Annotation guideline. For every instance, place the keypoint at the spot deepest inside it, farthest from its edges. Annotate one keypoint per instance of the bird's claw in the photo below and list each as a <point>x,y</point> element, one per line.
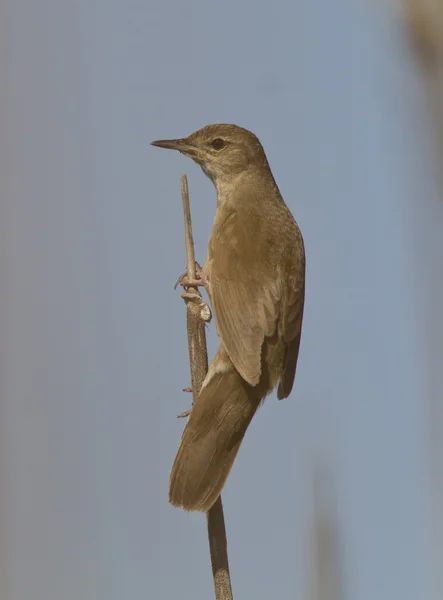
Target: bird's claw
<point>184,414</point>
<point>185,281</point>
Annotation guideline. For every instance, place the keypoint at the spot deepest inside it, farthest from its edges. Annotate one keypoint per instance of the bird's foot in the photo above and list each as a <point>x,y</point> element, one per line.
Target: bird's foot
<point>187,412</point>
<point>185,281</point>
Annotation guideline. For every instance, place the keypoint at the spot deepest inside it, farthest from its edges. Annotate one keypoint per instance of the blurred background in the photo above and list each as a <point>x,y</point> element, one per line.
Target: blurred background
<point>337,492</point>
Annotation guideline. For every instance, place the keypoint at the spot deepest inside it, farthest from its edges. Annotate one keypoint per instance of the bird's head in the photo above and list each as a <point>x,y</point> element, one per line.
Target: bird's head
<point>222,151</point>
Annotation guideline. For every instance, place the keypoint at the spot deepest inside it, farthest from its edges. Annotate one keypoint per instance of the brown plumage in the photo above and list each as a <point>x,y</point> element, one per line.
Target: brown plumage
<point>255,277</point>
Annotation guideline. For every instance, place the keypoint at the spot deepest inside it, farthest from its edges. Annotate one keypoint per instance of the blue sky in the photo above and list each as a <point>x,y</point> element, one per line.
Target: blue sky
<point>97,357</point>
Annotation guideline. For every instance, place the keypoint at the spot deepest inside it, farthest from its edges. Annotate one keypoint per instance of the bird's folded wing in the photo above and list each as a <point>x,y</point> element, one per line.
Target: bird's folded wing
<point>246,310</point>
<point>252,291</point>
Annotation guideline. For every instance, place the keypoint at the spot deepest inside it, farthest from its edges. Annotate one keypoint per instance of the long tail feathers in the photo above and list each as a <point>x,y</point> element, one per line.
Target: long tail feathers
<point>211,439</point>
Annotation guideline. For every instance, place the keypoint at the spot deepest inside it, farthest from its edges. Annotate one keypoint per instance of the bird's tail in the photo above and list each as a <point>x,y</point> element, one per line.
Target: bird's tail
<point>211,439</point>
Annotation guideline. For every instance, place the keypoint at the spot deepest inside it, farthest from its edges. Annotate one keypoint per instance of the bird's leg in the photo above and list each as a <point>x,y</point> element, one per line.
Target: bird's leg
<point>193,296</point>
<point>185,281</point>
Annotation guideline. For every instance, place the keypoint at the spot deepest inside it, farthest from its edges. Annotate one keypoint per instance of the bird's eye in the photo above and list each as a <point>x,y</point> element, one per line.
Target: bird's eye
<point>218,144</point>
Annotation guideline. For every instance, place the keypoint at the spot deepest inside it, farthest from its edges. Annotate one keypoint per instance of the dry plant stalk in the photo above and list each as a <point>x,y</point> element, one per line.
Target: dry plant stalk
<point>425,20</point>
<point>198,359</point>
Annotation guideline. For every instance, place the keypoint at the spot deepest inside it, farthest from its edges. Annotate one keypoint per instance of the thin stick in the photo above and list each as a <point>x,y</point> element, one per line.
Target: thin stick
<point>190,257</point>
<point>198,358</point>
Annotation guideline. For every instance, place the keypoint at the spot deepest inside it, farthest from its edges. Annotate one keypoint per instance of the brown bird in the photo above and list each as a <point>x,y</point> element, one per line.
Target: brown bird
<point>255,278</point>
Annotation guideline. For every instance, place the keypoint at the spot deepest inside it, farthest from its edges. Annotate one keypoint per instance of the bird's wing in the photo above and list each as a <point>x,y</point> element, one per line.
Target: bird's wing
<point>255,288</point>
<point>245,297</point>
<point>245,312</point>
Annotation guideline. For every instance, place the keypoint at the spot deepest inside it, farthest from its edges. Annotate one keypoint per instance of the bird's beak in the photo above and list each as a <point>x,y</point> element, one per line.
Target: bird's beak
<point>182,145</point>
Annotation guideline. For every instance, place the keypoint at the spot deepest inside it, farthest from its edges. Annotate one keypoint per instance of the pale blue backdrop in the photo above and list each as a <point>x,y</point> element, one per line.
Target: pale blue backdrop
<point>94,351</point>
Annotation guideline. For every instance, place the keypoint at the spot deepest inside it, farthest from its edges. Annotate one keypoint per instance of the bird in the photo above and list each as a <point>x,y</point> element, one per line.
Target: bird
<point>254,275</point>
